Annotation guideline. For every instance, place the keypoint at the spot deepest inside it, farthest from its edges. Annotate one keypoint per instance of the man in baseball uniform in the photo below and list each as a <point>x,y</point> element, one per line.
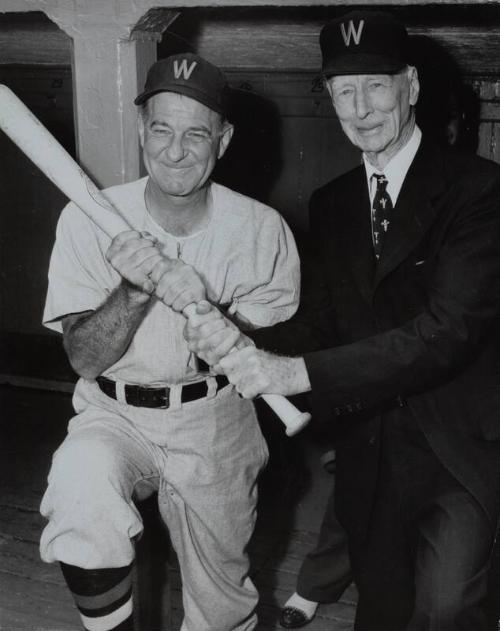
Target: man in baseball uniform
<point>146,416</point>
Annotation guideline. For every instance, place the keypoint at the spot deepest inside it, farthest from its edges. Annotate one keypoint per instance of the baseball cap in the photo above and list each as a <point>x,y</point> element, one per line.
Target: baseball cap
<point>190,75</point>
<point>364,42</point>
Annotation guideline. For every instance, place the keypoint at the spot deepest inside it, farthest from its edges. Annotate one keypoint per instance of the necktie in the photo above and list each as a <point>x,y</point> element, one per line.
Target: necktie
<point>381,213</point>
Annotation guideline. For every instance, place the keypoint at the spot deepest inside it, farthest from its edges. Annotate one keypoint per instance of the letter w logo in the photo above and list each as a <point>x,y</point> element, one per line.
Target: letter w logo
<point>351,32</point>
<point>183,69</point>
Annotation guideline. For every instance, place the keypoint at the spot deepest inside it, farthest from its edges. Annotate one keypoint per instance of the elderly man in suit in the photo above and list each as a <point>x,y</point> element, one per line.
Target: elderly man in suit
<point>406,344</point>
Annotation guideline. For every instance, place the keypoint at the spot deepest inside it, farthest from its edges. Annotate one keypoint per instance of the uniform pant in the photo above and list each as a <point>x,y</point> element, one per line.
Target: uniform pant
<point>424,566</point>
<point>204,458</point>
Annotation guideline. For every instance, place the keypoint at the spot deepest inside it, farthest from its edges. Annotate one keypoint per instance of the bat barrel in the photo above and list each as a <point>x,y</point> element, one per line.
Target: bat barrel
<point>29,134</point>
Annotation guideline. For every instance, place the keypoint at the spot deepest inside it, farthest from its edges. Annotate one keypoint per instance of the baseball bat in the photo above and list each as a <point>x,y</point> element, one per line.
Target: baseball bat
<point>28,133</point>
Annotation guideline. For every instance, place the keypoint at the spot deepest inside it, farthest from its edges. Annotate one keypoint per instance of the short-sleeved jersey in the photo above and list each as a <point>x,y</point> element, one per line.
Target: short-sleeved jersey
<point>246,256</point>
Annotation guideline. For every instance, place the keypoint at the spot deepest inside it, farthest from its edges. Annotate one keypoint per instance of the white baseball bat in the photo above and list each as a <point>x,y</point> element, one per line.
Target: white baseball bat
<point>23,128</point>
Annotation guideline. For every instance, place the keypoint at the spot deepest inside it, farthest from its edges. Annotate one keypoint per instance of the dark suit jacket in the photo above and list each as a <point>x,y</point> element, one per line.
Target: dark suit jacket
<point>417,333</point>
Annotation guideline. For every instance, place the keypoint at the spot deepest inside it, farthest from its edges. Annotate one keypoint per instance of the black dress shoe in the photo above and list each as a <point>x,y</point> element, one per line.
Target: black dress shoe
<point>293,618</point>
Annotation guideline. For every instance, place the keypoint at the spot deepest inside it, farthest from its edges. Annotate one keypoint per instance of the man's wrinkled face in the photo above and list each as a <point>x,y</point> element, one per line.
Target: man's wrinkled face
<point>182,140</point>
<point>375,111</point>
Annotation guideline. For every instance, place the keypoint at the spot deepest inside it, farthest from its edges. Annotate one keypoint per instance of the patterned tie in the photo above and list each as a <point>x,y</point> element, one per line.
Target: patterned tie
<point>381,213</point>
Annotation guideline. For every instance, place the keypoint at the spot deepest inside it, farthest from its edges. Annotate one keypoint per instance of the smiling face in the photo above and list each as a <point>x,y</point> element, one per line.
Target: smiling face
<point>376,111</point>
<point>182,140</point>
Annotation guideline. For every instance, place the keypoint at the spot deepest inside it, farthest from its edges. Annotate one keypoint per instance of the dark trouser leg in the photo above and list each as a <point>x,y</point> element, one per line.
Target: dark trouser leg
<point>493,604</point>
<point>326,571</point>
<point>452,562</point>
<point>382,568</point>
<point>424,566</point>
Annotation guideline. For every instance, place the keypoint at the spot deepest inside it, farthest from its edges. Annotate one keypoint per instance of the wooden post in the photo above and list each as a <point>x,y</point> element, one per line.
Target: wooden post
<point>111,52</point>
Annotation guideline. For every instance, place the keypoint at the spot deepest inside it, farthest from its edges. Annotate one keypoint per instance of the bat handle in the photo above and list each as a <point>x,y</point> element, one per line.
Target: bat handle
<point>293,419</point>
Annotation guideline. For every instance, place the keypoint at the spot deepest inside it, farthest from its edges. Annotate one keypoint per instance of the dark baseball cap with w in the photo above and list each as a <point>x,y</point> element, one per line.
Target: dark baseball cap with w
<point>190,75</point>
<point>364,42</point>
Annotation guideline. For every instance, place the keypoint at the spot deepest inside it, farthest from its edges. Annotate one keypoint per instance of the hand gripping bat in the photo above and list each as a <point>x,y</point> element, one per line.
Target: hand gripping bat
<point>28,133</point>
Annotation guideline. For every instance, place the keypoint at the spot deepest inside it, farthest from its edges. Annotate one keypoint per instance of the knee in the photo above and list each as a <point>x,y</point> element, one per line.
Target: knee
<point>445,607</point>
<point>86,456</point>
<point>91,518</point>
<point>452,602</point>
<point>83,467</point>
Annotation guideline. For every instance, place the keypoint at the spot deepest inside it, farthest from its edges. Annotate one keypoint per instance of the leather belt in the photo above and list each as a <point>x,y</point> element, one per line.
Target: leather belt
<point>141,396</point>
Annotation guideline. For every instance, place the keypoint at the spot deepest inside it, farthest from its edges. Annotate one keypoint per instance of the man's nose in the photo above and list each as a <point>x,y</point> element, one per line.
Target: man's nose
<point>363,104</point>
<point>175,148</point>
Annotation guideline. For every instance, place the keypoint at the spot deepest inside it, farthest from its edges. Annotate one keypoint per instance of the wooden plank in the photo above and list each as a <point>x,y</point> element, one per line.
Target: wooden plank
<point>38,43</point>
<point>19,524</point>
<point>486,140</point>
<point>490,111</point>
<point>287,39</point>
<point>272,37</point>
<point>48,605</point>
<point>142,6</point>
<point>25,497</point>
<point>22,558</point>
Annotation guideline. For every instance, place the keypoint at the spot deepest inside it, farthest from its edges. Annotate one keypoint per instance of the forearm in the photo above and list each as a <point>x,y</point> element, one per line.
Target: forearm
<point>95,341</point>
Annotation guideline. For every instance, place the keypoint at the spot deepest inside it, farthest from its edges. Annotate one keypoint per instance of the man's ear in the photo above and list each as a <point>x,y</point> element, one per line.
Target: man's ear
<point>140,128</point>
<point>414,84</point>
<point>227,134</point>
<point>328,86</point>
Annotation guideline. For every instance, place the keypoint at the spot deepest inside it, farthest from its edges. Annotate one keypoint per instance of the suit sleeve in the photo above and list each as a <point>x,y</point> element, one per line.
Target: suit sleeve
<point>463,304</point>
<point>312,326</point>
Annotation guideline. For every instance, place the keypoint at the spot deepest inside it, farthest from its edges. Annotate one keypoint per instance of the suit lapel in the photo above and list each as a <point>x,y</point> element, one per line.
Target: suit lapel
<point>414,211</point>
<point>356,233</point>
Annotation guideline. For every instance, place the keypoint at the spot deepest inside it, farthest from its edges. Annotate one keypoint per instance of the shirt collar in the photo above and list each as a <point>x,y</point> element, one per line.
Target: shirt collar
<point>396,169</point>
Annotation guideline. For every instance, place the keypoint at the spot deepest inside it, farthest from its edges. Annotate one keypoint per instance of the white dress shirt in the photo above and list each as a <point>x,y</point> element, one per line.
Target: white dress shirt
<point>396,169</point>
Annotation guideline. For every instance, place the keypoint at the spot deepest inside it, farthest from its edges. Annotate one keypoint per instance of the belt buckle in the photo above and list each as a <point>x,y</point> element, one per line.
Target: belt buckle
<point>164,395</point>
<point>158,398</point>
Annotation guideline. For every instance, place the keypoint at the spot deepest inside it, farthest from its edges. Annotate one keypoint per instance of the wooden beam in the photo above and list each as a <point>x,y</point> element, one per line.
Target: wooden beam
<point>261,38</point>
<point>142,6</point>
<point>283,41</point>
<point>37,41</point>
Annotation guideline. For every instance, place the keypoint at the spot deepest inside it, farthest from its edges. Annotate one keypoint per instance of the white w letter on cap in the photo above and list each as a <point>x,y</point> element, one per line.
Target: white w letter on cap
<point>183,69</point>
<point>351,31</point>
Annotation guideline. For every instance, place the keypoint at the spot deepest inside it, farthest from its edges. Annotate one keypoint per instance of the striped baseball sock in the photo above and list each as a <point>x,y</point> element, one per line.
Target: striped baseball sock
<point>103,597</point>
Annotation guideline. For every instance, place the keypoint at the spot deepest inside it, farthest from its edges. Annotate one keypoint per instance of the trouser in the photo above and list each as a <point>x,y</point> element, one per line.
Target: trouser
<point>424,566</point>
<point>326,571</point>
<point>204,459</point>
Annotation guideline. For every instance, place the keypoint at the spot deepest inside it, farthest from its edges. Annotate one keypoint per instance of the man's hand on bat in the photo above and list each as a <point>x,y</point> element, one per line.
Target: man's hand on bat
<point>134,255</point>
<point>211,336</point>
<point>177,284</point>
<point>254,372</point>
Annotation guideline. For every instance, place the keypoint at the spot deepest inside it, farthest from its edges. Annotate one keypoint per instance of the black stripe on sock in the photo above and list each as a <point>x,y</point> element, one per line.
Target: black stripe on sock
<point>104,611</point>
<point>93,582</point>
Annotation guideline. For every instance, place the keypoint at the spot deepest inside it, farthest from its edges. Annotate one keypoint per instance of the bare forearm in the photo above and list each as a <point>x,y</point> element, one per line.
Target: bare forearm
<point>97,340</point>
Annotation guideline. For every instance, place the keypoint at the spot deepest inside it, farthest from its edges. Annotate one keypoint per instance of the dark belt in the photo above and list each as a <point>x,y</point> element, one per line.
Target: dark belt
<point>143,397</point>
